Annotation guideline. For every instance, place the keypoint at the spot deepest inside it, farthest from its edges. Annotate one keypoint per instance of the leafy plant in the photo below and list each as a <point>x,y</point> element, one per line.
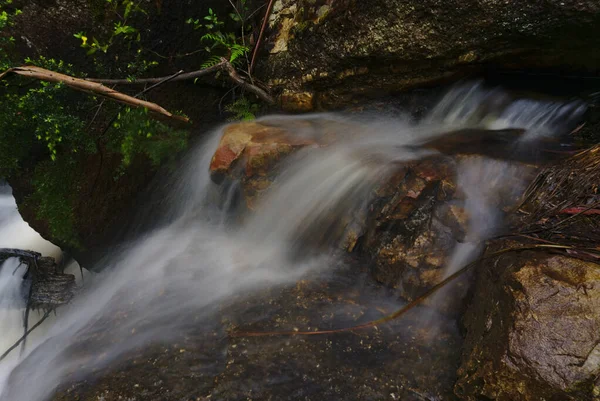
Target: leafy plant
<point>124,9</point>
<point>52,198</point>
<point>135,133</point>
<point>6,20</point>
<point>243,109</point>
<point>218,43</point>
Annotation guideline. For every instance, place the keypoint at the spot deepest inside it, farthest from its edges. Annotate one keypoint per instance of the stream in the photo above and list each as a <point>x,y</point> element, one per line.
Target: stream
<point>154,323</point>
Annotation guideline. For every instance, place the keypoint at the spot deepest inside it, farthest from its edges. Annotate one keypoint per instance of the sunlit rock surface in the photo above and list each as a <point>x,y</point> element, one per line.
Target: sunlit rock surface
<point>533,330</point>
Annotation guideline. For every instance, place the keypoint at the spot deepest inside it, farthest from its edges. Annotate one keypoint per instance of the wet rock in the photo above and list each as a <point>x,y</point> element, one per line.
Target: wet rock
<point>252,152</point>
<point>341,51</point>
<point>533,330</point>
<point>414,226</point>
<point>403,360</point>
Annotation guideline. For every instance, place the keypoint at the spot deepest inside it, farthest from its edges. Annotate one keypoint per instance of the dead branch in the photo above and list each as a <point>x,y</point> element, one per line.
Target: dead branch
<point>246,85</point>
<point>90,87</point>
<point>224,65</point>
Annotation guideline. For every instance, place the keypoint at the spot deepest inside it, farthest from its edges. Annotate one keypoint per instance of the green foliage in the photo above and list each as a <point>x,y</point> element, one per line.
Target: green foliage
<point>135,133</point>
<point>6,42</point>
<point>42,121</point>
<point>218,43</point>
<point>119,51</point>
<point>243,109</point>
<point>47,129</point>
<point>124,9</point>
<point>42,113</point>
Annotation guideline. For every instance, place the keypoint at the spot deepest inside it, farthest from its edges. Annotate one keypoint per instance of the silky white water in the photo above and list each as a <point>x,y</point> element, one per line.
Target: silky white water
<point>192,262</point>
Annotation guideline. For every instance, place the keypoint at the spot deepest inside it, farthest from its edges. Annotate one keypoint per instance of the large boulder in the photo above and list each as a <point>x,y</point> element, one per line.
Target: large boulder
<point>327,53</point>
<point>101,193</point>
<point>533,330</point>
<point>415,216</point>
<point>533,324</point>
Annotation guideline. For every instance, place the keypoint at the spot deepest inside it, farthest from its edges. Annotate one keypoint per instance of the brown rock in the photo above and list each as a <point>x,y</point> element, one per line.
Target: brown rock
<point>250,152</point>
<point>533,330</point>
<point>413,225</point>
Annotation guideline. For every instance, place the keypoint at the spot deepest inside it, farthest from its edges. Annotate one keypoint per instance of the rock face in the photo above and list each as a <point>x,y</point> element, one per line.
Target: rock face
<point>327,53</point>
<point>533,326</point>
<point>533,330</point>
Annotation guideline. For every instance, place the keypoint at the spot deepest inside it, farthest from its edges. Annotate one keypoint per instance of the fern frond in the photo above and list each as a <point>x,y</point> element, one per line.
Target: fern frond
<point>214,37</point>
<point>213,60</point>
<point>237,51</point>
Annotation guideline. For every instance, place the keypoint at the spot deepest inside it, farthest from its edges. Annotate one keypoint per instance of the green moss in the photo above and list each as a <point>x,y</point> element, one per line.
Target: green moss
<point>53,198</point>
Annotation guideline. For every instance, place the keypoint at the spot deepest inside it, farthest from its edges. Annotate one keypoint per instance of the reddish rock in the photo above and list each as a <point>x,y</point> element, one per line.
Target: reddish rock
<point>251,151</point>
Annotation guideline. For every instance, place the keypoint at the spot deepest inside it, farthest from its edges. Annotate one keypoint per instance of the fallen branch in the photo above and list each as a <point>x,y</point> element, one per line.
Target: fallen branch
<point>224,65</point>
<point>406,308</point>
<point>89,86</point>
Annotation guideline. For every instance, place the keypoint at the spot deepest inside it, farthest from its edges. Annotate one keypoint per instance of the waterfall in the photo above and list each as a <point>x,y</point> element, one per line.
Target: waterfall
<point>183,270</point>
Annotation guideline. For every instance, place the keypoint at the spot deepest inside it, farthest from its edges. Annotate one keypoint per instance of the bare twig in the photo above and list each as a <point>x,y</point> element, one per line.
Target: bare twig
<point>144,81</point>
<point>167,79</point>
<point>246,85</point>
<point>260,35</point>
<point>243,20</point>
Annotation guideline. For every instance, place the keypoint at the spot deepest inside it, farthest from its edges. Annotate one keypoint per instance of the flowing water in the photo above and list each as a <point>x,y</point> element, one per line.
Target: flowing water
<point>177,278</point>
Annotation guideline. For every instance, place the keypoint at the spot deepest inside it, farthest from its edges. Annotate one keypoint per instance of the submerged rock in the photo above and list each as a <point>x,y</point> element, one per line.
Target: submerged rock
<point>403,360</point>
<point>533,330</point>
<point>415,215</point>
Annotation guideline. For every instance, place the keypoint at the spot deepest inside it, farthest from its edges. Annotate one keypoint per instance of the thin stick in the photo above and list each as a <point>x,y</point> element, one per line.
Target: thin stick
<point>144,81</point>
<point>243,20</point>
<point>402,311</point>
<point>26,317</point>
<point>167,79</point>
<point>260,35</point>
<point>224,65</point>
<point>35,326</point>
